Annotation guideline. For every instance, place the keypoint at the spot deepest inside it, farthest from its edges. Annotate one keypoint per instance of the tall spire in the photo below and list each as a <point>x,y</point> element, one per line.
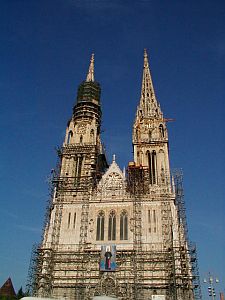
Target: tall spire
<point>149,106</point>
<point>90,75</point>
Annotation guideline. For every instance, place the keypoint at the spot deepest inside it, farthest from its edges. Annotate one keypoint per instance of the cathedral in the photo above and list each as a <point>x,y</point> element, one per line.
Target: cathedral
<point>113,232</point>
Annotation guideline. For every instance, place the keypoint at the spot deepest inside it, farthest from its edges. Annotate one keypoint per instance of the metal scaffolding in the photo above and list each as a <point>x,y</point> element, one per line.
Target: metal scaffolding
<point>188,257</point>
<point>31,276</point>
<point>168,268</point>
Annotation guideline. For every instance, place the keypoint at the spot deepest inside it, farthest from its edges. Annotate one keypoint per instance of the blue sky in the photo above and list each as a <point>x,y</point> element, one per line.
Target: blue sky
<point>45,51</point>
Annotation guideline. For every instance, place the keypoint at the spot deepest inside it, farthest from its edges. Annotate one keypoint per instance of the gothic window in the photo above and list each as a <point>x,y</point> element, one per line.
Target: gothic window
<point>137,135</point>
<point>70,134</point>
<point>138,158</point>
<point>92,136</point>
<point>75,166</point>
<point>108,286</point>
<point>152,165</point>
<point>123,226</point>
<point>154,220</point>
<point>100,226</point>
<point>79,165</point>
<point>81,139</point>
<point>161,130</point>
<point>149,220</point>
<point>112,226</point>
<point>149,166</point>
<point>141,157</point>
<point>69,217</point>
<point>74,220</point>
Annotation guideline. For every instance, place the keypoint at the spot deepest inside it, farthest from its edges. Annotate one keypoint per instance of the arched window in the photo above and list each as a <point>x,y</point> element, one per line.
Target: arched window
<point>149,166</point>
<point>123,226</point>
<point>77,168</point>
<point>149,220</point>
<point>161,130</point>
<point>138,158</point>
<point>70,134</point>
<point>69,217</point>
<point>74,220</point>
<point>112,226</point>
<point>100,226</point>
<point>152,220</point>
<point>81,139</point>
<point>75,165</point>
<point>152,166</point>
<point>92,136</point>
<point>137,135</point>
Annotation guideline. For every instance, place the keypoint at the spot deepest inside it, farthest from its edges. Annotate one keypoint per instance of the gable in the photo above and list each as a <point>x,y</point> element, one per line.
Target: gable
<point>113,182</point>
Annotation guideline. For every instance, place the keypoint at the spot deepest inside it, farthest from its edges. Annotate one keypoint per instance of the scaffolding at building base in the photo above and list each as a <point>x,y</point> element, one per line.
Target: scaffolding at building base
<point>31,276</point>
<point>72,271</point>
<point>191,247</point>
<point>121,283</point>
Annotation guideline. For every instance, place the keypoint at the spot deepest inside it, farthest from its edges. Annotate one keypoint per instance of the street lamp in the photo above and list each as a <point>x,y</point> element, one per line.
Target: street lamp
<point>211,281</point>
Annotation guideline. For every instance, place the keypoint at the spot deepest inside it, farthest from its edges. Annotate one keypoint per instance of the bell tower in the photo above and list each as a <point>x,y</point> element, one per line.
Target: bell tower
<point>150,138</point>
<point>82,138</point>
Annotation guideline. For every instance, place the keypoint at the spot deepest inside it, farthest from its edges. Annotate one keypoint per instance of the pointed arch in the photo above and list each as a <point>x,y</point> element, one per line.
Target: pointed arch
<point>74,219</point>
<point>100,226</point>
<point>152,166</point>
<point>137,134</point>
<point>92,135</point>
<point>138,158</point>
<point>69,137</point>
<point>161,131</point>
<point>112,226</point>
<point>75,165</point>
<point>124,225</point>
<point>79,166</point>
<point>148,154</point>
<point>141,158</point>
<point>69,218</point>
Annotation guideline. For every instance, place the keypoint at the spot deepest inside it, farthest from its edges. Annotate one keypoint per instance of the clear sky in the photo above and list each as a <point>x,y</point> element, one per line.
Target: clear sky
<point>45,50</point>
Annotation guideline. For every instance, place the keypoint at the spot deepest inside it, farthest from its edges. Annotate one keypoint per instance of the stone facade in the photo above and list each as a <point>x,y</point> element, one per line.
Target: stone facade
<point>95,206</point>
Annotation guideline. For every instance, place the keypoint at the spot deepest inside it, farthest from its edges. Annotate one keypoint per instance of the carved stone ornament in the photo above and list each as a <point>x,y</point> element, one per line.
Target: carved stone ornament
<point>81,129</point>
<point>113,181</point>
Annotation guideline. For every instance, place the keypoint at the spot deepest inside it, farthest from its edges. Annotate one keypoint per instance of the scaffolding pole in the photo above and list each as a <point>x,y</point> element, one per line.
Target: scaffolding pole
<point>188,258</point>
